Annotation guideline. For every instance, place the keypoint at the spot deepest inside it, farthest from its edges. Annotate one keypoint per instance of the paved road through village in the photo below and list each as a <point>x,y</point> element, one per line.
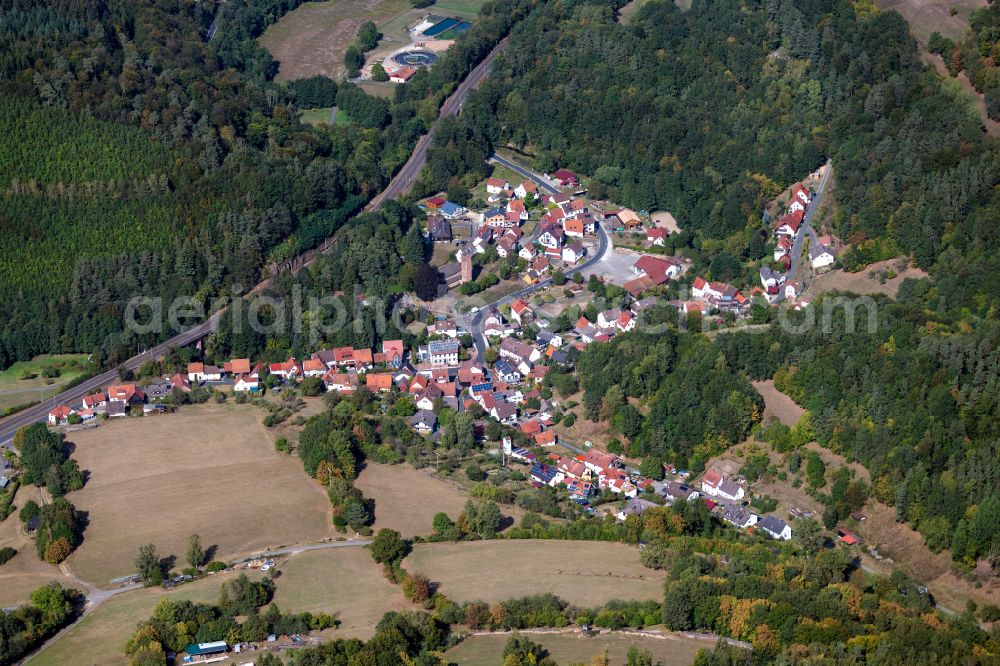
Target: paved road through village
<point>603,243</point>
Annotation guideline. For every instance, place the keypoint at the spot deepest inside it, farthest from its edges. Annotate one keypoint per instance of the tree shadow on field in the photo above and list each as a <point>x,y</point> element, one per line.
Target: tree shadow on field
<point>210,553</point>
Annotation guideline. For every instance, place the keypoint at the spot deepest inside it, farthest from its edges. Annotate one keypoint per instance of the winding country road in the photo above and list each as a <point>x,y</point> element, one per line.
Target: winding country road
<point>400,184</point>
<point>405,177</point>
<point>476,324</point>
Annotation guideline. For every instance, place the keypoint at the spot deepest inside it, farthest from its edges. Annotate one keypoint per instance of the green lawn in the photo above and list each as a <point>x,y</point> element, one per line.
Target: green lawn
<point>446,7</point>
<point>25,381</point>
<point>316,116</point>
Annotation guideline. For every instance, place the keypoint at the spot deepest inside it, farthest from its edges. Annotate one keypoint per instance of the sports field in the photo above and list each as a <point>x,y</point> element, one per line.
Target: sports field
<point>574,648</point>
<point>585,573</point>
<point>25,573</point>
<point>210,469</point>
<point>345,582</point>
<point>25,381</point>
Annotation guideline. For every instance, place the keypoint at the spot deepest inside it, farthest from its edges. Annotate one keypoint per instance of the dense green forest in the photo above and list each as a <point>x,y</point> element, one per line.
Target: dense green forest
<point>692,405</point>
<point>710,112</point>
<point>151,161</point>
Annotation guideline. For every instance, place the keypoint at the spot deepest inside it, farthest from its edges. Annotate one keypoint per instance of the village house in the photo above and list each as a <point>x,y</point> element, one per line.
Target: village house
<point>566,178</point>
<point>546,475</point>
<point>60,415</point>
<point>520,311</point>
<point>788,225</point>
<point>771,281</point>
<point>799,199</point>
<point>125,394</point>
<point>598,461</point>
<point>95,400</point>
<point>496,185</point>
<point>246,384</point>
<point>517,207</point>
<point>504,412</point>
<point>519,352</point>
<point>740,517</point>
<point>674,491</point>
<point>179,382</point>
<point>775,528</point>
<point>444,327</point>
<point>441,352</point>
<point>792,289</point>
<point>505,373</point>
<point>402,75</point>
<point>199,372</point>
<point>573,252</point>
<point>288,370</point>
<point>237,366</point>
<point>715,484</point>
<point>656,236</point>
<point>527,186</point>
<point>608,318</point>
<point>451,210</point>
<point>313,367</point>
<point>495,217</point>
<point>720,295</point>
<point>820,257</point>
<point>782,248</point>
<point>659,269</point>
<point>439,229</point>
<point>547,338</point>
<point>528,253</point>
<point>551,236</point>
<point>424,421</point>
<point>393,351</point>
<point>547,438</point>
<point>573,227</point>
<point>635,507</point>
<point>378,382</point>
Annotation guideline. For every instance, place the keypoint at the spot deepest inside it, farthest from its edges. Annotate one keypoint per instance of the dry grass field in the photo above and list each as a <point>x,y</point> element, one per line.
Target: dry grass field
<point>586,573</point>
<point>867,282</point>
<point>406,499</point>
<point>99,638</point>
<point>25,573</point>
<point>669,649</point>
<point>777,404</point>
<point>312,39</point>
<point>927,16</point>
<point>210,469</point>
<point>345,582</point>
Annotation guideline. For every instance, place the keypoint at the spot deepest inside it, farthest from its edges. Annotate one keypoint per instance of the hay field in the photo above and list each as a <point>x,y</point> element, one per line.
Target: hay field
<point>670,649</point>
<point>345,582</point>
<point>210,469</point>
<point>406,499</point>
<point>585,573</point>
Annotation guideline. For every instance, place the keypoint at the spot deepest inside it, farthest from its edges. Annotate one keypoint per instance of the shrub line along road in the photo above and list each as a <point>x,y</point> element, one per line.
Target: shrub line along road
<point>400,183</point>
